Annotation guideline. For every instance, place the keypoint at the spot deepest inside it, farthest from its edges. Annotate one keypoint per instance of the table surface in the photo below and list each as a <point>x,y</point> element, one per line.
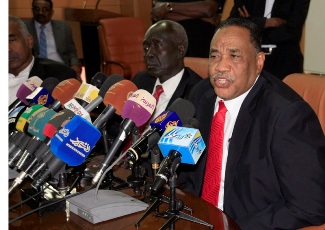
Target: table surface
<point>202,210</point>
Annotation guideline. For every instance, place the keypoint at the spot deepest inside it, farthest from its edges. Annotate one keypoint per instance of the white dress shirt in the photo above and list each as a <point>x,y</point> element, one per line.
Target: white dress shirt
<point>233,107</point>
<point>268,8</point>
<point>16,81</point>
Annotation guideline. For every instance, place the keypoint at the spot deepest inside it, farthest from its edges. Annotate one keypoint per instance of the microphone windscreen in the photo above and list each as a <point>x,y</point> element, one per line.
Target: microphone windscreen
<point>57,121</point>
<point>108,83</point>
<point>139,107</point>
<point>98,79</point>
<point>184,109</point>
<point>27,88</point>
<point>37,123</point>
<point>192,123</point>
<point>50,83</point>
<point>118,93</point>
<point>65,90</point>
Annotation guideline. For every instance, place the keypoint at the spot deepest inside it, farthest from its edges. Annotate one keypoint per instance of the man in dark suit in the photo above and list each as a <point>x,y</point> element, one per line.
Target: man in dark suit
<point>273,158</point>
<point>60,43</point>
<point>23,65</point>
<point>165,44</point>
<point>281,24</point>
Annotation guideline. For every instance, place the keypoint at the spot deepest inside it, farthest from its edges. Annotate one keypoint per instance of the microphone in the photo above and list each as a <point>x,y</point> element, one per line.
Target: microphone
<point>114,100</point>
<point>64,92</point>
<point>35,128</point>
<point>70,145</point>
<point>43,154</point>
<point>178,112</point>
<point>19,143</point>
<point>137,110</point>
<point>98,79</point>
<point>177,145</point>
<point>24,90</point>
<point>42,98</point>
<point>109,82</point>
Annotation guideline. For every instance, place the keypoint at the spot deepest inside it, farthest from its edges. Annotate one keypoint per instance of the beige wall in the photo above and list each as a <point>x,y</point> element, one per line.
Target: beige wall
<point>133,8</point>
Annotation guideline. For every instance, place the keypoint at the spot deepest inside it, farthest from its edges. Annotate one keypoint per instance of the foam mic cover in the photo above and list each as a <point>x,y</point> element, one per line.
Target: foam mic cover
<point>118,93</point>
<point>114,100</point>
<point>38,122</point>
<point>66,90</point>
<point>74,142</point>
<point>109,82</point>
<point>28,87</point>
<point>98,79</point>
<point>50,83</point>
<point>59,120</point>
<point>139,107</point>
<point>184,108</point>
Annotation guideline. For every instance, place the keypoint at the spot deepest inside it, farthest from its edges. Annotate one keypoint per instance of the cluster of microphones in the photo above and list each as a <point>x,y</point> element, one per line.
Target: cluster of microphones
<point>50,128</point>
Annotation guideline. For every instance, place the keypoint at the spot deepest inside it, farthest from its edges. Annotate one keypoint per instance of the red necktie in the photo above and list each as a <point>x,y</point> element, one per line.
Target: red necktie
<point>212,176</point>
<point>159,90</point>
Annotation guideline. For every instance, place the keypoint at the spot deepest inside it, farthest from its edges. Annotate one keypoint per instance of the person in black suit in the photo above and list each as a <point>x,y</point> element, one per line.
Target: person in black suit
<point>165,44</point>
<point>23,65</point>
<point>281,24</point>
<point>273,159</point>
<point>61,46</point>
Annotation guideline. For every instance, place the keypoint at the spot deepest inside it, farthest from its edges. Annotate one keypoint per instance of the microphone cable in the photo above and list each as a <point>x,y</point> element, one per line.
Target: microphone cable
<point>24,201</point>
<point>49,204</point>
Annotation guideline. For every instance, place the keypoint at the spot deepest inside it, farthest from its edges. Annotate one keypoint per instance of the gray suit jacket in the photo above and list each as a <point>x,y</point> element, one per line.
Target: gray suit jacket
<point>63,40</point>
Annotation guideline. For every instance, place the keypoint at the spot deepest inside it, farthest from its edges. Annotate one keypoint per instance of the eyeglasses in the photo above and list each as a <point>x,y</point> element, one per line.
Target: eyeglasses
<point>44,9</point>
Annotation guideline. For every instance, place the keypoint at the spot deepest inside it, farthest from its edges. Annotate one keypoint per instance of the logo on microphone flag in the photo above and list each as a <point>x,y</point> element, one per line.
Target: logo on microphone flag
<point>187,141</point>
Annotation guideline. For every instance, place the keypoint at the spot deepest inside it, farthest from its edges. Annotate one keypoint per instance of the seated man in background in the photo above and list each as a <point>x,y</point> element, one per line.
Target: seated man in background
<point>59,45</point>
<point>165,44</point>
<point>22,63</point>
<point>268,169</point>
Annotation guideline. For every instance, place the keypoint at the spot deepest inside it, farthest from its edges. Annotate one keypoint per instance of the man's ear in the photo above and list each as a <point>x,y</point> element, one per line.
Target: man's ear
<point>260,58</point>
<point>181,51</point>
<point>30,41</point>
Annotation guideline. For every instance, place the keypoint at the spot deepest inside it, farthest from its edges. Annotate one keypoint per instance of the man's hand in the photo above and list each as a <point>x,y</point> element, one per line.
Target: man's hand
<point>274,22</point>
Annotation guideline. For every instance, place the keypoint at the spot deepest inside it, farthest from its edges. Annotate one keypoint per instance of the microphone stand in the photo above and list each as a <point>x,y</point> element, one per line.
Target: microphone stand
<point>173,213</point>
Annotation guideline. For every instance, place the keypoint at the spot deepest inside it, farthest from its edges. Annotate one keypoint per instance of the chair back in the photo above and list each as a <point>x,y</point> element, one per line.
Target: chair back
<point>312,88</point>
<point>198,65</point>
<point>121,49</point>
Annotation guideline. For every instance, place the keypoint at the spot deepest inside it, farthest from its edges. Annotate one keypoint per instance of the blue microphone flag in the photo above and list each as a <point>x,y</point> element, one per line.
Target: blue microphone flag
<point>187,141</point>
<point>74,142</point>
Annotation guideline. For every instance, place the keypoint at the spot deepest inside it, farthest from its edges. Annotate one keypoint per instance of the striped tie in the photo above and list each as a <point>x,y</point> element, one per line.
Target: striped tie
<point>42,43</point>
<point>212,176</point>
